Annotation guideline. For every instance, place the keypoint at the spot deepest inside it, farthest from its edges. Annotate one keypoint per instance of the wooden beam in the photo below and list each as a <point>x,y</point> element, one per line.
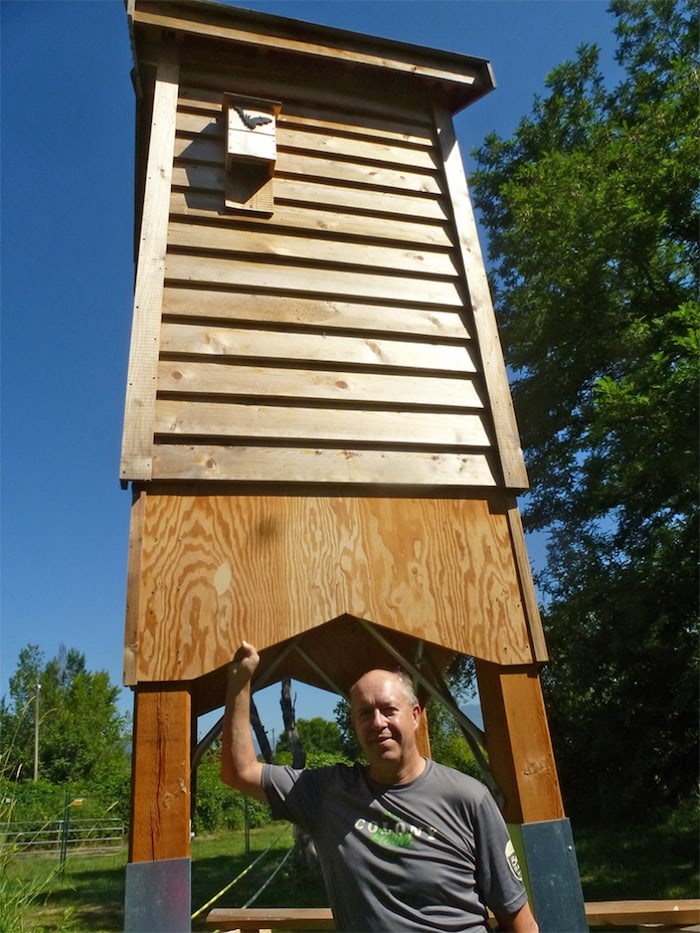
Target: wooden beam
<point>527,584</point>
<point>253,919</point>
<point>671,913</point>
<point>423,736</point>
<point>507,438</point>
<point>160,821</point>
<point>133,589</point>
<point>518,742</point>
<point>139,410</point>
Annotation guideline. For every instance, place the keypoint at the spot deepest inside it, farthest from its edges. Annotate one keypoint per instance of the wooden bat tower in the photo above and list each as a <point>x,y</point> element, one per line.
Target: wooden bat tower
<point>318,430</point>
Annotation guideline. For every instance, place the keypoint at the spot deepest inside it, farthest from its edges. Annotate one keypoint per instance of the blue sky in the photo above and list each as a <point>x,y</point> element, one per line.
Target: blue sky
<point>67,277</point>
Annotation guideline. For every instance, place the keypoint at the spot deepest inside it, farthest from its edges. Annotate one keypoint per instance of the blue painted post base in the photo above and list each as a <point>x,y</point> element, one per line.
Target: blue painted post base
<point>551,874</point>
<point>158,896</point>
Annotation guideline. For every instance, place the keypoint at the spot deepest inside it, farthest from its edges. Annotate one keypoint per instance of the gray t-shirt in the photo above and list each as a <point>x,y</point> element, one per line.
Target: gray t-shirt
<point>428,855</point>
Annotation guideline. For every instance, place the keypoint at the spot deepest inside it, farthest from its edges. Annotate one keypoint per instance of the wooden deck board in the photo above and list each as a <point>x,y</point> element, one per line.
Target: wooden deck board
<point>672,913</point>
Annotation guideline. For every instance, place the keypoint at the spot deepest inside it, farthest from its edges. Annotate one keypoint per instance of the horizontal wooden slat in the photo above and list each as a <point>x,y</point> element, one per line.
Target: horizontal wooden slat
<point>252,920</point>
<point>201,134</point>
<point>319,193</point>
<point>359,149</point>
<point>375,202</point>
<point>196,339</point>
<point>343,124</point>
<point>304,84</point>
<point>347,315</point>
<point>262,241</point>
<point>339,387</point>
<point>306,465</point>
<point>205,205</point>
<point>208,270</point>
<point>207,102</point>
<point>314,219</point>
<point>318,167</point>
<point>219,419</point>
<point>668,914</point>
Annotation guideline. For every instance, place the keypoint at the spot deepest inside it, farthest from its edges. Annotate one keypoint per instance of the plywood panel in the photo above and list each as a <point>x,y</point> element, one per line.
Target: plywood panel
<point>217,569</point>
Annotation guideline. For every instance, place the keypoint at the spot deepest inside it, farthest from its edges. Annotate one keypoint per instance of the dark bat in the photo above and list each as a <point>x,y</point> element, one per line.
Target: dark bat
<point>252,122</point>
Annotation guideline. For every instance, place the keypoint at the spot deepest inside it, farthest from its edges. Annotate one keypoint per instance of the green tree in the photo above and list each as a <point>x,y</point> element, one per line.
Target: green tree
<point>349,743</point>
<point>82,735</point>
<point>447,742</point>
<point>220,807</point>
<point>591,214</point>
<point>317,735</point>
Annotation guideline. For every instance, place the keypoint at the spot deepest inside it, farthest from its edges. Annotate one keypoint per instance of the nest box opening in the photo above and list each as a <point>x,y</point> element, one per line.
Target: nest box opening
<point>251,153</point>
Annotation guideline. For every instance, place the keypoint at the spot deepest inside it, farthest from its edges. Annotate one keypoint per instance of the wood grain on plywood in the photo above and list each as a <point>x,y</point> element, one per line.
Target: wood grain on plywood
<point>217,569</point>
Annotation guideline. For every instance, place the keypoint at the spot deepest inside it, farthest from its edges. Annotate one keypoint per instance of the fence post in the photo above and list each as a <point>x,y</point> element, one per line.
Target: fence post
<point>64,835</point>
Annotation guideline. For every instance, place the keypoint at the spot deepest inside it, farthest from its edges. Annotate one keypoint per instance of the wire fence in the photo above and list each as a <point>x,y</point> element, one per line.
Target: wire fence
<point>59,837</point>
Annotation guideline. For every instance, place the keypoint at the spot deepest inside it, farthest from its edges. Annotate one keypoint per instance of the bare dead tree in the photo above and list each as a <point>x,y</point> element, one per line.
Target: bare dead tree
<point>305,856</point>
<point>260,733</point>
<point>289,718</point>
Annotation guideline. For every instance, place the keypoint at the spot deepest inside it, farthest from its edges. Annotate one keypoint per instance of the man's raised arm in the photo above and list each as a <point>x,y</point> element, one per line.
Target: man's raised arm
<point>239,764</point>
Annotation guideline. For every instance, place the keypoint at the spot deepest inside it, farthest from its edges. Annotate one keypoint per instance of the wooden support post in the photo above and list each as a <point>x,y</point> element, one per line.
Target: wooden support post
<point>522,762</point>
<point>160,823</point>
<point>518,742</point>
<point>423,736</point>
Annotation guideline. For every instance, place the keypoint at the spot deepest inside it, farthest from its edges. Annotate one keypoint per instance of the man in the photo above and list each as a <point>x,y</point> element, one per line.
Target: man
<point>405,844</point>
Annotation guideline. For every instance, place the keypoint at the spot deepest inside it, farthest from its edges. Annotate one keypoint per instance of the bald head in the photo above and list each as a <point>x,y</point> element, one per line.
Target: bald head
<point>386,714</point>
<point>399,676</point>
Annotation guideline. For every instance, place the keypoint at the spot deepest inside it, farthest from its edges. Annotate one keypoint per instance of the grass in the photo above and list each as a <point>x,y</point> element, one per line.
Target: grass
<point>90,896</point>
<point>628,863</point>
<point>636,862</point>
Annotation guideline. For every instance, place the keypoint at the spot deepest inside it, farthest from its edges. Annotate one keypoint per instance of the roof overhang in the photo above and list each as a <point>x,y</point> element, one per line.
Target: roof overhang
<point>458,79</point>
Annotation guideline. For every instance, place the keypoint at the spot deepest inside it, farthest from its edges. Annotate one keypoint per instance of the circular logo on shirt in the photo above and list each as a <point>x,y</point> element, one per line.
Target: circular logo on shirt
<point>512,860</point>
